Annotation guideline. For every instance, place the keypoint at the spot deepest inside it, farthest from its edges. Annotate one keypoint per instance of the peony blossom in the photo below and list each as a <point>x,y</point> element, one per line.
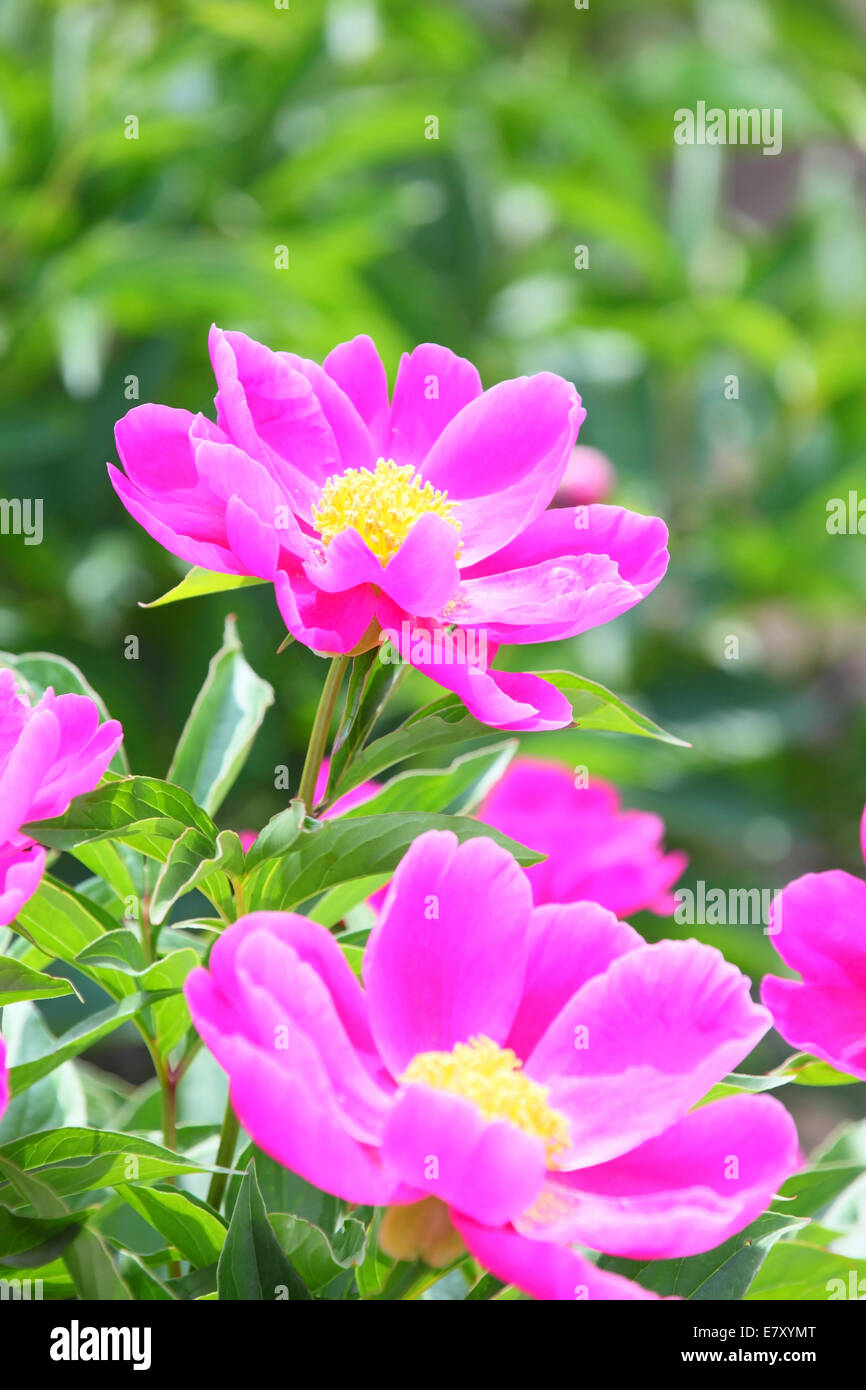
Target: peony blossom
<point>596,851</point>
<point>532,1069</point>
<point>424,517</point>
<point>589,477</point>
<point>49,753</point>
<point>818,926</point>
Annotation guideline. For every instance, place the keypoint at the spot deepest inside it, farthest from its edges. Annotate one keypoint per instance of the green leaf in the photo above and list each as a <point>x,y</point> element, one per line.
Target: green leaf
<point>252,1265</point>
<point>191,863</point>
<point>115,950</point>
<point>596,707</point>
<point>809,1192</point>
<point>61,922</point>
<point>796,1269</point>
<point>30,1241</point>
<point>77,1039</point>
<point>356,847</point>
<point>114,863</point>
<point>445,721</point>
<point>278,836</point>
<point>36,671</point>
<point>334,906</point>
<point>86,1257</point>
<point>75,1159</point>
<point>142,812</point>
<point>284,1191</point>
<point>190,1226</point>
<point>721,1274</point>
<point>222,725</point>
<point>370,684</point>
<point>457,789</point>
<point>805,1070</point>
<point>58,1099</point>
<point>196,583</point>
<point>739,1083</point>
<point>19,981</point>
<point>317,1257</point>
<point>141,1281</point>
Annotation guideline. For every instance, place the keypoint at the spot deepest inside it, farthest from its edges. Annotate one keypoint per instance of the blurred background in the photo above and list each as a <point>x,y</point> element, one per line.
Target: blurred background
<point>433,172</point>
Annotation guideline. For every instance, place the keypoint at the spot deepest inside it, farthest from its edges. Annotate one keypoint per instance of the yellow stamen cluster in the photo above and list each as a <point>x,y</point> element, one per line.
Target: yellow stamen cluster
<point>381,503</point>
<point>491,1078</point>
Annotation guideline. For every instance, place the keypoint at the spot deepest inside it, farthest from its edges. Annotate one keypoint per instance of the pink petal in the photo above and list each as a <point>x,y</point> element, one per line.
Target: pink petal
<point>168,523</point>
<point>21,869</point>
<point>154,448</point>
<point>423,575</point>
<point>681,1193</point>
<point>557,598</point>
<point>636,1047</point>
<point>271,411</point>
<point>254,545</point>
<point>352,438</point>
<point>326,622</point>
<point>502,699</point>
<point>313,945</point>
<point>819,928</point>
<point>567,946</point>
<point>442,1145</point>
<point>28,764</point>
<point>595,852</point>
<point>433,385</point>
<point>357,369</point>
<point>502,458</point>
<point>546,1271</point>
<point>287,997</point>
<point>828,1021</point>
<point>445,960</point>
<point>285,1102</point>
<point>634,546</point>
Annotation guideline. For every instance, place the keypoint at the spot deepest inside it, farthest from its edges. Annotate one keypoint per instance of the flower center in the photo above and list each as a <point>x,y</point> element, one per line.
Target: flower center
<point>491,1078</point>
<point>381,503</point>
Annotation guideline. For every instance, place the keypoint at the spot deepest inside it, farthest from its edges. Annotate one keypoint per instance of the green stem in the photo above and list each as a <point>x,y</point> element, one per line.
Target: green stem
<point>321,726</point>
<point>225,1154</point>
<point>169,1108</point>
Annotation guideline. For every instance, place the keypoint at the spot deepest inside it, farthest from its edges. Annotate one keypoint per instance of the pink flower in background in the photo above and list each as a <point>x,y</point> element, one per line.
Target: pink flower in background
<point>49,753</point>
<point>596,851</point>
<point>4,1078</point>
<point>423,516</point>
<point>589,477</point>
<point>818,926</point>
<point>535,1069</point>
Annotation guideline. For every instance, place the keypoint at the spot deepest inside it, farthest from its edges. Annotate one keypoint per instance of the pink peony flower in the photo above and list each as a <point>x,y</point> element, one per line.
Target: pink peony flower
<point>589,477</point>
<point>4,1078</point>
<point>817,926</point>
<point>596,851</point>
<point>412,1087</point>
<point>48,754</point>
<point>423,517</point>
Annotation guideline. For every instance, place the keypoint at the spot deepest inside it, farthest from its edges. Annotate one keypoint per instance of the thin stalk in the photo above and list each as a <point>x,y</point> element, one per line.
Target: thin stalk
<point>321,727</point>
<point>225,1154</point>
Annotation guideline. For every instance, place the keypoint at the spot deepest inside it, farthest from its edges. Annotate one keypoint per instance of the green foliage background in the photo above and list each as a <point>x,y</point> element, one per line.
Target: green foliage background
<point>305,127</point>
